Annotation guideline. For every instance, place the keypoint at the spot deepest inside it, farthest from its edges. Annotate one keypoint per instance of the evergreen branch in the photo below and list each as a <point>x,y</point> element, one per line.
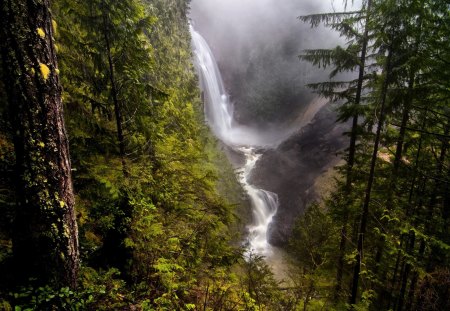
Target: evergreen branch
<point>432,111</point>
<point>318,57</point>
<point>422,131</point>
<point>343,59</point>
<point>327,18</point>
<point>345,29</point>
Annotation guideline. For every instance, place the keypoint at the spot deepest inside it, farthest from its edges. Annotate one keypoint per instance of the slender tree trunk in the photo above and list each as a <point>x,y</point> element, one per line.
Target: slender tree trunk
<point>431,207</point>
<point>351,156</point>
<point>401,137</point>
<point>114,94</point>
<point>394,274</point>
<point>45,238</point>
<point>405,238</point>
<point>432,203</point>
<point>411,292</point>
<point>368,192</point>
<point>354,131</point>
<point>409,211</point>
<point>406,272</point>
<point>394,177</point>
<point>342,247</point>
<point>421,191</point>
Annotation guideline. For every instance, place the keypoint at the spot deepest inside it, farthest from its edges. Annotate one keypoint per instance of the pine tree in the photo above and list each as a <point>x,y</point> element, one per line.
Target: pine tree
<point>353,58</point>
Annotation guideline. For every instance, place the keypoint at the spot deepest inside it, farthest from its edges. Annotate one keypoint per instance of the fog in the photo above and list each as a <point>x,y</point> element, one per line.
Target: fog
<point>256,44</point>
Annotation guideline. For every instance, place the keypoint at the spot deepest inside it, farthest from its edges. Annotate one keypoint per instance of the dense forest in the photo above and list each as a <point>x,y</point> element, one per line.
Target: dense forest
<point>114,194</point>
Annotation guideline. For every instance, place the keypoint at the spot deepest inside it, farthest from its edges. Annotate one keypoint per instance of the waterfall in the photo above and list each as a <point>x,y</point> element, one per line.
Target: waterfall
<point>218,110</point>
<point>264,206</point>
<point>242,139</point>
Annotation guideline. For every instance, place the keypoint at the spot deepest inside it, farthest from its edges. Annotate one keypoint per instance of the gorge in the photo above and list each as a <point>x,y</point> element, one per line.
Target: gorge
<point>281,160</point>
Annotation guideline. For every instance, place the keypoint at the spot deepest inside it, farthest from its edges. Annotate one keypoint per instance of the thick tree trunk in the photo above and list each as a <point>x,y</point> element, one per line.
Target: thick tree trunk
<point>45,239</point>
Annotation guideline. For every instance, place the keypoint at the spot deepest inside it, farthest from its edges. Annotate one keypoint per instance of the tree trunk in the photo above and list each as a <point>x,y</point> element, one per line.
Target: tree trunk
<point>406,271</point>
<point>351,157</point>
<point>431,208</point>
<point>368,192</point>
<point>353,135</point>
<point>45,238</point>
<point>404,237</point>
<point>393,182</point>
<point>114,93</point>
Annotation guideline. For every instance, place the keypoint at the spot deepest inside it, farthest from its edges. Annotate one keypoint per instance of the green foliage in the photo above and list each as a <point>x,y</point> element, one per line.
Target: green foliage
<point>98,291</point>
<point>260,282</point>
<point>312,239</point>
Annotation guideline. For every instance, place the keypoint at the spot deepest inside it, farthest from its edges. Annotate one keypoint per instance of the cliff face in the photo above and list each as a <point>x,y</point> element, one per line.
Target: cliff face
<point>292,169</point>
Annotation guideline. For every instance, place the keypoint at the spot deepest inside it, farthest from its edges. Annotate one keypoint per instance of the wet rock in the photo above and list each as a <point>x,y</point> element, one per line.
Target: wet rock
<point>292,169</point>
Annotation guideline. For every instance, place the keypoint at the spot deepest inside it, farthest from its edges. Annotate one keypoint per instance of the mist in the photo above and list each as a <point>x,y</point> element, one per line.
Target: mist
<point>256,44</point>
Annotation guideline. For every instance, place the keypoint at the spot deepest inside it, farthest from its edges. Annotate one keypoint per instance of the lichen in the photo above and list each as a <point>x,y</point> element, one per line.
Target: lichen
<point>55,26</point>
<point>45,71</point>
<point>41,33</point>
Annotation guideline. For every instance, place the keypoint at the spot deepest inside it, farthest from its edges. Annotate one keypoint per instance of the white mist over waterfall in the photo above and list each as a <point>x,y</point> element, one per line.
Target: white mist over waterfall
<point>245,140</point>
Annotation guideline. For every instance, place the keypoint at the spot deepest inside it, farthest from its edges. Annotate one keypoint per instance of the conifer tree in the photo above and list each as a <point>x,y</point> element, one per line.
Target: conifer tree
<point>353,58</point>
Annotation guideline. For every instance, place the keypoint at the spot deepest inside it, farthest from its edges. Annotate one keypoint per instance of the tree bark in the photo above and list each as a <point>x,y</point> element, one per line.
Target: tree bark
<point>45,238</point>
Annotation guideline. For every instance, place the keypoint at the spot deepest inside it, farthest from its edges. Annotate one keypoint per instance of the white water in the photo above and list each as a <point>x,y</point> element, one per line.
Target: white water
<point>245,140</point>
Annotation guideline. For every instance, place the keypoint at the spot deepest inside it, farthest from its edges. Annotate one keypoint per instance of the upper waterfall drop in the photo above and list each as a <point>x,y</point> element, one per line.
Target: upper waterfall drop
<point>219,116</point>
<point>218,109</point>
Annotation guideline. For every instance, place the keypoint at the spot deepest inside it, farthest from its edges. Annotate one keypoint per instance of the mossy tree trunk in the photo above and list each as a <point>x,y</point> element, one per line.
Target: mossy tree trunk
<point>45,239</point>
